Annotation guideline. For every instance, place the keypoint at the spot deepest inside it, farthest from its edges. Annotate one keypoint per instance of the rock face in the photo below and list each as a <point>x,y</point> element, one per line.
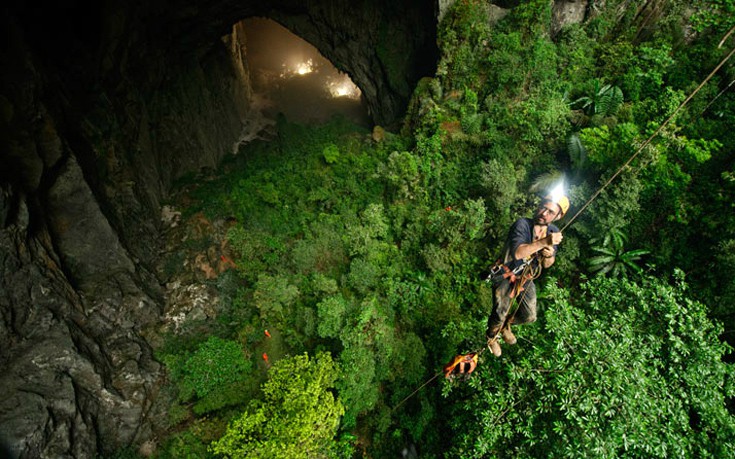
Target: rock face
<point>103,105</point>
<point>567,12</point>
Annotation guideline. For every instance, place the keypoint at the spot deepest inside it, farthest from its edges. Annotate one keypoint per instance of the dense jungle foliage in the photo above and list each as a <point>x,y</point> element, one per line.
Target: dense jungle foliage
<point>364,258</point>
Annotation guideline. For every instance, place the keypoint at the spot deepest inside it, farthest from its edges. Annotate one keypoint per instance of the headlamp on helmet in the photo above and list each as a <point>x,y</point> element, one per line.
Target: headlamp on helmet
<point>557,197</point>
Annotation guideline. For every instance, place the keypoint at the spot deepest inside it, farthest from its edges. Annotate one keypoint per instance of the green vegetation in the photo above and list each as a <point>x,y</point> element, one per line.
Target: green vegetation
<point>364,258</point>
<point>213,375</point>
<point>298,417</point>
<point>612,257</point>
<point>635,380</point>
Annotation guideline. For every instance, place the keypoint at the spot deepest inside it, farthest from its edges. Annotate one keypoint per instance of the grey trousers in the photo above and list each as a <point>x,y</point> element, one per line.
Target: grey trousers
<point>525,302</point>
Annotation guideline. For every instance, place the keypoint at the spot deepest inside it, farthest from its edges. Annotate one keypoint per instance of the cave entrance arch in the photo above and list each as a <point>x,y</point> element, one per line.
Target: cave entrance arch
<point>288,75</point>
<point>384,46</point>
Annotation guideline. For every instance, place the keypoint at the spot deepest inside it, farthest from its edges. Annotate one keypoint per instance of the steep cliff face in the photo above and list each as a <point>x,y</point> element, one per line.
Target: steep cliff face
<point>103,105</point>
<point>82,176</point>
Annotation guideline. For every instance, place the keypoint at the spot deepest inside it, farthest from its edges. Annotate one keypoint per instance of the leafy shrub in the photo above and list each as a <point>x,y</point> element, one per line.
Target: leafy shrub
<point>322,250</point>
<point>185,445</point>
<point>717,14</point>
<point>217,364</point>
<point>331,153</point>
<point>331,313</point>
<point>298,417</point>
<point>273,295</point>
<point>401,172</point>
<point>358,389</point>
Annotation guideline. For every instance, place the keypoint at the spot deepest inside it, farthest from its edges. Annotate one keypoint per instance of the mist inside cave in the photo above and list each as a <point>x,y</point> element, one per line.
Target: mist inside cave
<point>289,76</point>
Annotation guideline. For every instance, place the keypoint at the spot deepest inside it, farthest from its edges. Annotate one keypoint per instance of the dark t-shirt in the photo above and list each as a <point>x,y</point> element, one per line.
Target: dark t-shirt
<point>522,233</point>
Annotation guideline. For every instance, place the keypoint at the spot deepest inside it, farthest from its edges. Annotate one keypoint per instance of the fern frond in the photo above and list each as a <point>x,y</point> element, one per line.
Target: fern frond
<point>609,100</point>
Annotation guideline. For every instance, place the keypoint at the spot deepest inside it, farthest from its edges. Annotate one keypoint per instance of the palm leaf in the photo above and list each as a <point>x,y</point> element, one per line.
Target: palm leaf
<point>617,239</point>
<point>584,100</point>
<point>605,251</point>
<point>601,263</point>
<point>637,253</point>
<point>633,266</point>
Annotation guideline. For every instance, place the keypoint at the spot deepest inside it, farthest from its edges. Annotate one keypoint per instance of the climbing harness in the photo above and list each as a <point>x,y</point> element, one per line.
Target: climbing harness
<point>527,273</point>
<point>518,277</point>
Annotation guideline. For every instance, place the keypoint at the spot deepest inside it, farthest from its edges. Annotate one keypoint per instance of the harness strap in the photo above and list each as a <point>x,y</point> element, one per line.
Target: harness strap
<point>517,282</point>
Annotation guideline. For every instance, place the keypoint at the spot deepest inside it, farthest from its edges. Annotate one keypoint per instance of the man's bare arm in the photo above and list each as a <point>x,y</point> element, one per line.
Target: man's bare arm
<point>526,250</point>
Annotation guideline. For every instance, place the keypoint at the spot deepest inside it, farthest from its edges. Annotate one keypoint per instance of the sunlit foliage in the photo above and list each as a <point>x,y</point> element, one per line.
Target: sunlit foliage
<point>297,418</point>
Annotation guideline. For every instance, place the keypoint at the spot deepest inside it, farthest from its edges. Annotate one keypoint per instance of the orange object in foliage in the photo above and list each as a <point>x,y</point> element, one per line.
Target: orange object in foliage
<point>267,334</point>
<point>462,365</point>
<point>265,357</point>
<point>227,261</point>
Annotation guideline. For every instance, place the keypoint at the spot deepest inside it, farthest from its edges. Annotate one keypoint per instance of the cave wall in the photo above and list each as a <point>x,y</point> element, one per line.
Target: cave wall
<point>103,105</point>
<point>87,157</point>
<point>85,165</point>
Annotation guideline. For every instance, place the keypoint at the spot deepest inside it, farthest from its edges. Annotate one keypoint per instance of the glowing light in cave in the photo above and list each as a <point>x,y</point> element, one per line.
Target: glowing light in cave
<point>297,67</point>
<point>342,86</point>
<point>290,77</point>
<point>305,67</point>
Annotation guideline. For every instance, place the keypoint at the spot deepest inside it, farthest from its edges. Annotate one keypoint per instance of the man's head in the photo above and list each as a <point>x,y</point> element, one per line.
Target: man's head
<point>551,210</point>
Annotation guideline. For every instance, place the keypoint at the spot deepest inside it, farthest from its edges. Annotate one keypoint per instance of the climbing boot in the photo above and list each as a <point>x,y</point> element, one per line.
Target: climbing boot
<point>508,335</point>
<point>494,346</point>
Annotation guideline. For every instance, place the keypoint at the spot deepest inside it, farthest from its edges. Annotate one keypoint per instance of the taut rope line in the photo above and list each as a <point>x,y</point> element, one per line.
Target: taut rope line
<point>656,133</point>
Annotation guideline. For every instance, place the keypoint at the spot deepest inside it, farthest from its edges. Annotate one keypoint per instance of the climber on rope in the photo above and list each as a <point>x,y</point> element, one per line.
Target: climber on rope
<point>531,245</point>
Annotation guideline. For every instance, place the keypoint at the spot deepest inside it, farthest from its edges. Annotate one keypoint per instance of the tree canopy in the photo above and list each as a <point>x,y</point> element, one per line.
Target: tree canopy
<point>297,418</point>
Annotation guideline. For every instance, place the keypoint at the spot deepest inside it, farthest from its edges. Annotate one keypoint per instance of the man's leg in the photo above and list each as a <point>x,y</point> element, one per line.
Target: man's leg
<point>501,305</point>
<point>526,313</point>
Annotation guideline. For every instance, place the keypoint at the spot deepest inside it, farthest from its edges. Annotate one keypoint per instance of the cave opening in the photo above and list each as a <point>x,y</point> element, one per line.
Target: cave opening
<point>290,77</point>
